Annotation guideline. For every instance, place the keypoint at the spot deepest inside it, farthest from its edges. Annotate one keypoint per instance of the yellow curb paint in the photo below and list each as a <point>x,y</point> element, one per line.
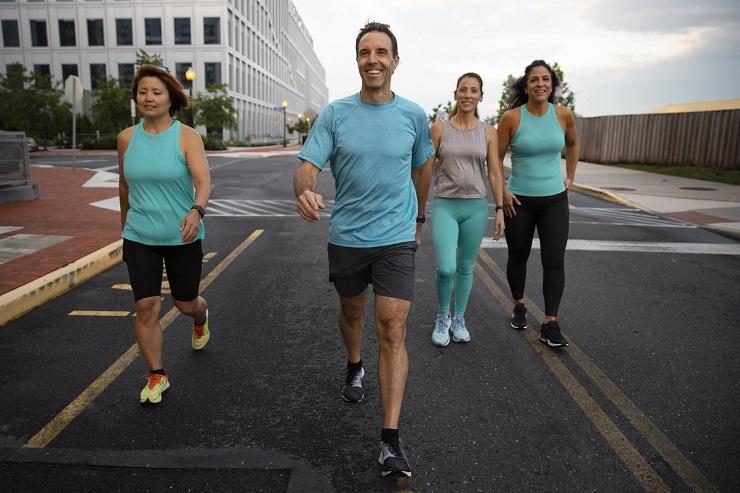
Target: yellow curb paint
<point>689,473</point>
<point>80,403</point>
<point>99,313</point>
<point>21,300</point>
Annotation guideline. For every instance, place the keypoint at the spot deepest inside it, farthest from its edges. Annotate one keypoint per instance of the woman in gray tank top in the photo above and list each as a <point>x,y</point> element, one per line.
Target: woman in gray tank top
<point>466,158</point>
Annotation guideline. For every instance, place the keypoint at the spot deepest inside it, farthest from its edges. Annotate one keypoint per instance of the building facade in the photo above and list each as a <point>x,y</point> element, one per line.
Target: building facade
<point>260,49</point>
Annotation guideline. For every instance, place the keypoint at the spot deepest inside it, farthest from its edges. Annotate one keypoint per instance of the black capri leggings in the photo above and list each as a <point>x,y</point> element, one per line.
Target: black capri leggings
<point>550,216</point>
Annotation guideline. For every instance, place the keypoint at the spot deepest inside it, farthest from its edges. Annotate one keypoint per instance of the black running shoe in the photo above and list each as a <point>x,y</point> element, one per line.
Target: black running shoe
<point>393,460</point>
<point>550,335</point>
<point>352,390</point>
<point>519,317</point>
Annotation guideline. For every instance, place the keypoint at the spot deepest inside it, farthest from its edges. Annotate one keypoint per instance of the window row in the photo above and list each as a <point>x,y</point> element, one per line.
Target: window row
<point>126,72</point>
<point>124,32</point>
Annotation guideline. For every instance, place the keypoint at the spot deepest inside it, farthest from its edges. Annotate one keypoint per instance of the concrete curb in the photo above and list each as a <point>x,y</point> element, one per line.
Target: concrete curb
<point>21,300</point>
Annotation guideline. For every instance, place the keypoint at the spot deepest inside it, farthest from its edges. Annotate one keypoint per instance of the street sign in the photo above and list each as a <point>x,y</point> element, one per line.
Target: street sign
<point>73,89</point>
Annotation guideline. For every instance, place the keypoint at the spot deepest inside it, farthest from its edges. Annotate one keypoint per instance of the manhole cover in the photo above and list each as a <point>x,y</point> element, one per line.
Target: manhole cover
<point>620,189</point>
<point>699,189</point>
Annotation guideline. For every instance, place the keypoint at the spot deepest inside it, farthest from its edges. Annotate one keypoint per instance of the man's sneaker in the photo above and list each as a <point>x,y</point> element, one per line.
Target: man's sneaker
<point>459,331</point>
<point>155,385</point>
<point>550,335</point>
<point>352,390</point>
<point>393,460</point>
<point>519,317</point>
<point>441,334</point>
<point>201,335</point>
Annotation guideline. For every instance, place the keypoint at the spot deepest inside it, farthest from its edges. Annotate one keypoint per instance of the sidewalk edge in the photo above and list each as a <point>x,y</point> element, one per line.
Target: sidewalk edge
<point>25,298</point>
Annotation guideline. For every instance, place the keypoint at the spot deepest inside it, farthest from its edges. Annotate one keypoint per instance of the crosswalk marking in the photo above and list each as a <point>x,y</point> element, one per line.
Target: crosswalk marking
<point>634,246</point>
<point>257,208</point>
<point>620,216</point>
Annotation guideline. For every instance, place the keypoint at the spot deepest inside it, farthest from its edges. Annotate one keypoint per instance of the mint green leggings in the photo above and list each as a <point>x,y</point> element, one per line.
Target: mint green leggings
<point>458,226</point>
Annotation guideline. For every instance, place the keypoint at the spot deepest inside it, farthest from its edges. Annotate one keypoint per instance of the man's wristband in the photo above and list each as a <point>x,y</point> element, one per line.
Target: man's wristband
<point>421,219</point>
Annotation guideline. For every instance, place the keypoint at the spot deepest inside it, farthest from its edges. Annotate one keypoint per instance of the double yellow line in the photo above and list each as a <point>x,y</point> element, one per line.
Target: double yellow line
<point>645,474</point>
<point>82,401</point>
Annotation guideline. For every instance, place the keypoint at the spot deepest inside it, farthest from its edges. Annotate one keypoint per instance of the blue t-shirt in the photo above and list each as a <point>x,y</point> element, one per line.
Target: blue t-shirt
<point>372,148</point>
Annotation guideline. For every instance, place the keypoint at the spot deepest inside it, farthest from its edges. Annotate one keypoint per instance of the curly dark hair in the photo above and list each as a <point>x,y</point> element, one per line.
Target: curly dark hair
<point>371,26</point>
<point>519,96</point>
<point>178,99</point>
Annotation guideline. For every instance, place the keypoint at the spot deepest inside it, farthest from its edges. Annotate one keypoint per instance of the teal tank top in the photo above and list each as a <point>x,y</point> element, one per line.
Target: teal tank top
<point>535,155</point>
<point>160,187</point>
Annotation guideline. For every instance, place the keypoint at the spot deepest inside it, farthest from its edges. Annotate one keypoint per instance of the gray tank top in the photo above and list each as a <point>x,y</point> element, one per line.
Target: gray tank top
<point>461,163</point>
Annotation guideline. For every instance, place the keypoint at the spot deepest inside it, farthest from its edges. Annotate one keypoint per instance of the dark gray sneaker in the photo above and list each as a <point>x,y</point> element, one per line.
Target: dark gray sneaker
<point>519,317</point>
<point>550,335</point>
<point>352,390</point>
<point>393,460</point>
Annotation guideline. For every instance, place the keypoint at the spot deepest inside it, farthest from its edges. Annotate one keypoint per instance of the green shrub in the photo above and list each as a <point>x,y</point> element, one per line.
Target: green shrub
<point>107,141</point>
<point>212,144</point>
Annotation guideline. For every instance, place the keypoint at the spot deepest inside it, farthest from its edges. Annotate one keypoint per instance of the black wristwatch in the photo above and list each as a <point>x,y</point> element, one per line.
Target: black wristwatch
<point>499,208</point>
<point>421,219</point>
<point>200,210</point>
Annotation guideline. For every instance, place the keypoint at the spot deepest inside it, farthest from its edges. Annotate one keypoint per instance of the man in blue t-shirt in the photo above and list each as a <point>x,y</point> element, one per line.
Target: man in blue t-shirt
<point>378,144</point>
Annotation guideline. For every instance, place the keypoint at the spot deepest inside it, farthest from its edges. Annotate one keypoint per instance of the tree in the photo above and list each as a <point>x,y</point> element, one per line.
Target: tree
<point>301,126</point>
<point>214,110</point>
<point>112,109</point>
<point>144,58</point>
<point>32,103</point>
<point>440,108</point>
<point>563,95</point>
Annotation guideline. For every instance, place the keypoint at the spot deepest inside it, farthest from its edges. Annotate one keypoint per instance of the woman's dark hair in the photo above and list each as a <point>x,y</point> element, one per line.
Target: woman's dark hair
<point>518,95</point>
<point>178,99</point>
<point>474,76</point>
<point>371,26</point>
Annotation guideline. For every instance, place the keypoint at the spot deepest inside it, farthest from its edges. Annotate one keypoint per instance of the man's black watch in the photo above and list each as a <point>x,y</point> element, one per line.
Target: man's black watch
<point>421,219</point>
<point>200,210</point>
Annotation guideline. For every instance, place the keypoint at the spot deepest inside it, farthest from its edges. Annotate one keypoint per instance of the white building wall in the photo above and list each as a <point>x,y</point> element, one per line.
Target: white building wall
<point>266,54</point>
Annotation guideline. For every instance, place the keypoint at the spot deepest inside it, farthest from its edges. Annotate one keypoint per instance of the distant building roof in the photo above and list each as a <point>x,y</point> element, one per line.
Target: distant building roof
<point>724,104</point>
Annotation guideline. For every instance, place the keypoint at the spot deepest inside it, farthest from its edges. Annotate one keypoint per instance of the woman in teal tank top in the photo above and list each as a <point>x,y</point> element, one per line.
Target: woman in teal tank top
<point>164,185</point>
<point>537,195</point>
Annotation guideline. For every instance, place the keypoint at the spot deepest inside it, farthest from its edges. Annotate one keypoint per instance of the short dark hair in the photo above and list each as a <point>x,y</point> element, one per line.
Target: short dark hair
<point>371,26</point>
<point>519,97</point>
<point>178,99</point>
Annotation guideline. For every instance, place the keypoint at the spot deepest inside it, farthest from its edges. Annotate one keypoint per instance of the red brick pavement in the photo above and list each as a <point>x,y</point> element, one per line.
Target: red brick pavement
<point>62,208</point>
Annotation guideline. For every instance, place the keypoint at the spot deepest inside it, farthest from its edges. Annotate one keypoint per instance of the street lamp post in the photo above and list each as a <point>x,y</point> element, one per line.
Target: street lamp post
<point>190,76</point>
<point>285,122</point>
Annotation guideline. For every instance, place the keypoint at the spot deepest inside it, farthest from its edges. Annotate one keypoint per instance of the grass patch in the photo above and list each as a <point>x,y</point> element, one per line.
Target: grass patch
<point>729,177</point>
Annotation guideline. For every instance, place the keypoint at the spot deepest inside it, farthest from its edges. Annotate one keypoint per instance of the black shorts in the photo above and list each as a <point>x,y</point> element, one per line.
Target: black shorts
<point>390,269</point>
<point>183,262</point>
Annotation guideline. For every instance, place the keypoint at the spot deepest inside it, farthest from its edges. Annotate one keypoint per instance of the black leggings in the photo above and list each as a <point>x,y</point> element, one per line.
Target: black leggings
<point>550,216</point>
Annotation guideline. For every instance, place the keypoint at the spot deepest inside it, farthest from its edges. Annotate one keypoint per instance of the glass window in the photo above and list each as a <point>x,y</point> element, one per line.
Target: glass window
<point>212,30</point>
<point>67,33</point>
<point>182,31</point>
<point>95,32</point>
<point>153,30</point>
<point>41,69</point>
<point>10,33</point>
<point>38,33</point>
<point>180,69</point>
<point>69,69</point>
<point>97,74</point>
<point>125,74</point>
<point>124,32</point>
<point>213,73</point>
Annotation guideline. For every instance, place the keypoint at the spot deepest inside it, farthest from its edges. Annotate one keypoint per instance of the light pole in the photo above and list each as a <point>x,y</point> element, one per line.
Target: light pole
<point>285,122</point>
<point>190,76</point>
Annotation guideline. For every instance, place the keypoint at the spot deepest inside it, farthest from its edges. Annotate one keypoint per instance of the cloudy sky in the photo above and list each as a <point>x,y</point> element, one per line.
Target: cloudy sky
<point>619,57</point>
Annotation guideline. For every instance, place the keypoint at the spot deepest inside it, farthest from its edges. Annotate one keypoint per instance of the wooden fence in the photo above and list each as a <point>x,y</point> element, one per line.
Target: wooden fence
<point>706,138</point>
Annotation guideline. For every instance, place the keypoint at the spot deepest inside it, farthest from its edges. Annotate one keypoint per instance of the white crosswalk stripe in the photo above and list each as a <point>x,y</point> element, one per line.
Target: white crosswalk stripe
<point>634,246</point>
<point>617,216</point>
<point>257,208</point>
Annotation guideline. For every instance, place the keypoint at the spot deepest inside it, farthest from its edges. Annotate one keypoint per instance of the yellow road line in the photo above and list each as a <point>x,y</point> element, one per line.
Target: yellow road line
<point>75,408</point>
<point>689,473</point>
<point>125,287</point>
<point>99,313</point>
<point>208,256</point>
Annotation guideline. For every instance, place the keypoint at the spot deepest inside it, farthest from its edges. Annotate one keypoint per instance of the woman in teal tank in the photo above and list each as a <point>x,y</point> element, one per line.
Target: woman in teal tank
<point>466,158</point>
<point>164,185</point>
<point>537,195</point>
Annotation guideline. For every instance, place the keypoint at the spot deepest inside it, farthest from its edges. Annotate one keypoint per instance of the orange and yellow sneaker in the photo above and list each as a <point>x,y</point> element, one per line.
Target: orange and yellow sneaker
<point>201,335</point>
<point>156,384</point>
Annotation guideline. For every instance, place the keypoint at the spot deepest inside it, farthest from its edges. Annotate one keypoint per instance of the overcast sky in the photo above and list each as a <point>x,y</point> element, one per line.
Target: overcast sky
<point>619,57</point>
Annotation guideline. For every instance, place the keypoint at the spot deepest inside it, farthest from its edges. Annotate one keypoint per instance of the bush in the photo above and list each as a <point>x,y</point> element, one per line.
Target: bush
<point>212,144</point>
<point>107,141</point>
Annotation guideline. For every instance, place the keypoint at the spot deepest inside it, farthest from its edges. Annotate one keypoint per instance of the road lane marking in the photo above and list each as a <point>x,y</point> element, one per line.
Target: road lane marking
<point>689,473</point>
<point>80,403</point>
<point>99,313</point>
<point>635,246</point>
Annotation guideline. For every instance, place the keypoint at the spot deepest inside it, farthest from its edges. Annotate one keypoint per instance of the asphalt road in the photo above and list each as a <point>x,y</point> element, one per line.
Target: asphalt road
<point>645,398</point>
